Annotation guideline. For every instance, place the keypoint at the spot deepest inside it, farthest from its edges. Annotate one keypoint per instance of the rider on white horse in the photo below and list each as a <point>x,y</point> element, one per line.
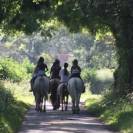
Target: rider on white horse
<point>76,71</point>
<point>40,70</point>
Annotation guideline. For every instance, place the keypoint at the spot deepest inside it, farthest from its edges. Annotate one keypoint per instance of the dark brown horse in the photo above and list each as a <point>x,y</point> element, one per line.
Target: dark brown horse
<point>53,91</point>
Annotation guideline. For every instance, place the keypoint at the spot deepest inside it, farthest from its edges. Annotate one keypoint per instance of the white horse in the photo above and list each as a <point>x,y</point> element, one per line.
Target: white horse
<point>40,90</point>
<point>75,88</point>
<point>62,94</point>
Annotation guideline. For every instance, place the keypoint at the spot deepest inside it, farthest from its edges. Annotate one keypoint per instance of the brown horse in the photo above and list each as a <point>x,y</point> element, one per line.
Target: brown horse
<point>62,93</point>
<point>53,91</point>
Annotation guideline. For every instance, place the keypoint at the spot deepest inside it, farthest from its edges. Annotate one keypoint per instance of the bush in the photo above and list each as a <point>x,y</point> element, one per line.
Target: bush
<point>11,111</point>
<point>12,70</point>
<point>87,74</point>
<point>28,66</point>
<point>6,98</point>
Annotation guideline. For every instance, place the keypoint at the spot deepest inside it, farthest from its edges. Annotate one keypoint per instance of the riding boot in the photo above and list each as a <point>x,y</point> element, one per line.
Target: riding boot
<point>31,84</point>
<point>83,89</point>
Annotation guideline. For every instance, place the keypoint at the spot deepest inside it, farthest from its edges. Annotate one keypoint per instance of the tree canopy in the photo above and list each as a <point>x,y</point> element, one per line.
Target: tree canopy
<point>98,16</point>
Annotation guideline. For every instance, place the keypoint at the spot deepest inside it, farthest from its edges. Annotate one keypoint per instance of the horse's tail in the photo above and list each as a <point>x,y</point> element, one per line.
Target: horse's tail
<point>76,85</point>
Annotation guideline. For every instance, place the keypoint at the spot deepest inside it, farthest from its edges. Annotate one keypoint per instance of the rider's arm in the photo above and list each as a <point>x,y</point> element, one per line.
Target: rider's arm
<point>71,69</point>
<point>46,68</point>
<point>79,69</point>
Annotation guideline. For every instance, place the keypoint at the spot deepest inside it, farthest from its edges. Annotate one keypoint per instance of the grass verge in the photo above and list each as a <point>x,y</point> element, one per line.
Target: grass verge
<point>14,103</point>
<point>116,112</point>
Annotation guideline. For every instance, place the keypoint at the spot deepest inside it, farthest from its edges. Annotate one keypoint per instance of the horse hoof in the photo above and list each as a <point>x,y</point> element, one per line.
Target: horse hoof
<point>77,112</point>
<point>37,110</point>
<point>54,108</point>
<point>66,109</point>
<point>73,112</point>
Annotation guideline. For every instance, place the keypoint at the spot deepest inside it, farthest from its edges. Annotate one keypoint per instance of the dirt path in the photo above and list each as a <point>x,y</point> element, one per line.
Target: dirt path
<point>61,122</point>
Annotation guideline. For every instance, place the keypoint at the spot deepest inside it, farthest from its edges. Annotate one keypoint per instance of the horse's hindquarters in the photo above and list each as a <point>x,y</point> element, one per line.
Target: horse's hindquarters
<point>53,90</point>
<point>62,93</point>
<point>41,86</point>
<point>75,88</point>
<point>75,85</point>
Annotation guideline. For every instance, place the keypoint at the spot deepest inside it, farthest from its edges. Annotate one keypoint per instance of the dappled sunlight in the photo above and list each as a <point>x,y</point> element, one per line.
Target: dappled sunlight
<point>57,121</point>
<point>88,95</point>
<point>98,33</point>
<point>105,74</point>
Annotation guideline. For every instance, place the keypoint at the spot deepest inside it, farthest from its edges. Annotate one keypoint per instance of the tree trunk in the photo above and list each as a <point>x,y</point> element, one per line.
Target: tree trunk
<point>124,74</point>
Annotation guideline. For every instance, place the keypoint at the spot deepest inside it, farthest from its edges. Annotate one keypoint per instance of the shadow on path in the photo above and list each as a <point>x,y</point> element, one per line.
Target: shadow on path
<point>61,122</point>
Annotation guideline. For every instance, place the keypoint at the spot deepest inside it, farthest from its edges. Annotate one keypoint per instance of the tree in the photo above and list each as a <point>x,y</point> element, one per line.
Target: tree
<point>106,15</point>
<point>96,15</point>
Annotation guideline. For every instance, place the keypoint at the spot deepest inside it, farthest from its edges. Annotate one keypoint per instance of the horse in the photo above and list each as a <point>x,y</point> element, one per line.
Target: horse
<point>62,93</point>
<point>40,91</point>
<point>53,90</point>
<point>75,88</point>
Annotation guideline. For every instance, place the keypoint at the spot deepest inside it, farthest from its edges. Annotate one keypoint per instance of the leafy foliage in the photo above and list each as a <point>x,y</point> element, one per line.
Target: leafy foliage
<point>90,52</point>
<point>28,66</point>
<point>104,16</point>
<point>100,80</point>
<point>97,16</point>
<point>12,70</point>
<point>6,98</point>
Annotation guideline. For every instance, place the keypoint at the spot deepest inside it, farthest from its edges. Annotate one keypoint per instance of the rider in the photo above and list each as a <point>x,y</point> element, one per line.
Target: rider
<point>64,74</point>
<point>54,74</point>
<point>76,71</point>
<point>55,69</point>
<point>40,70</point>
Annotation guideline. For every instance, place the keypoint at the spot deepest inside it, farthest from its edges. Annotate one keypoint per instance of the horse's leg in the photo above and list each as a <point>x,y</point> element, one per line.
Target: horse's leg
<point>62,102</point>
<point>41,103</point>
<point>51,99</point>
<point>58,101</point>
<point>54,100</point>
<point>37,102</point>
<point>66,102</point>
<point>77,104</point>
<point>44,106</point>
<point>73,106</point>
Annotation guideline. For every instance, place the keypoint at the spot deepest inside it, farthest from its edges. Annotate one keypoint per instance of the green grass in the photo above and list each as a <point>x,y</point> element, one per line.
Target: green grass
<point>12,116</point>
<point>20,91</point>
<point>116,113</point>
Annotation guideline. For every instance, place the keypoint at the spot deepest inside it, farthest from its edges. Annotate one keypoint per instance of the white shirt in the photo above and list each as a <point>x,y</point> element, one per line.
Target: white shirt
<point>64,78</point>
